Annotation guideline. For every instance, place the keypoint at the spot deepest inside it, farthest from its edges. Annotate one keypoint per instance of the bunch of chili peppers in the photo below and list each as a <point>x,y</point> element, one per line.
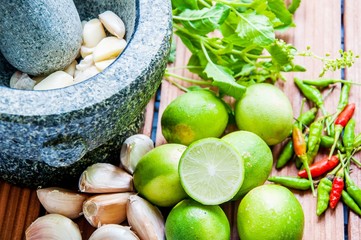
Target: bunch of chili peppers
<point>336,133</point>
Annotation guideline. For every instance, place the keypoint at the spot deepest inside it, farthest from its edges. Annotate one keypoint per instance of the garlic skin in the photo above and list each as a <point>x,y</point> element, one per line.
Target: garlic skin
<point>61,201</point>
<point>105,178</point>
<point>133,149</point>
<point>21,81</point>
<point>106,208</point>
<point>53,227</point>
<point>113,231</point>
<point>145,219</point>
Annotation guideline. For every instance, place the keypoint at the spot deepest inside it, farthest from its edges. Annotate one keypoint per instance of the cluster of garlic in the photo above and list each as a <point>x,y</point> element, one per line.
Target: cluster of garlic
<point>106,199</point>
<point>97,52</point>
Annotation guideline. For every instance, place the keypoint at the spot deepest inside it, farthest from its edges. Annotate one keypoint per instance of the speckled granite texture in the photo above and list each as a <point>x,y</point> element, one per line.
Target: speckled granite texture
<point>40,36</point>
<point>48,137</point>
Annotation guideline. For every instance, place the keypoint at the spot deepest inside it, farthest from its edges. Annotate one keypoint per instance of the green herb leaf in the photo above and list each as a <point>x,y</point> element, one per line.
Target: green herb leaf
<point>185,4</point>
<point>279,8</point>
<point>282,53</point>
<point>222,78</point>
<point>173,51</point>
<point>191,43</point>
<point>254,29</point>
<point>205,20</point>
<point>294,6</point>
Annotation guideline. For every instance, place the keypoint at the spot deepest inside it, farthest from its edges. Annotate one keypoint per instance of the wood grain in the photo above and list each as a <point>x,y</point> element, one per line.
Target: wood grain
<point>318,25</point>
<point>322,31</point>
<point>352,22</point>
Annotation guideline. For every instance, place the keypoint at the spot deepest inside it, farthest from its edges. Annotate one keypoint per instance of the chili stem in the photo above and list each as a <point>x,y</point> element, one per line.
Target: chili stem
<point>304,161</point>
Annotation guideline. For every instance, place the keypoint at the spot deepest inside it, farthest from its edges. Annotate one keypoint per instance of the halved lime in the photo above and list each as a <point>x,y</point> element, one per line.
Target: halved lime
<point>211,171</point>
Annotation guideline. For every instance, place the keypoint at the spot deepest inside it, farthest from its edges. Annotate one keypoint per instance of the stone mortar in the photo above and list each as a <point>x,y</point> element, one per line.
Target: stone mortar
<point>49,137</point>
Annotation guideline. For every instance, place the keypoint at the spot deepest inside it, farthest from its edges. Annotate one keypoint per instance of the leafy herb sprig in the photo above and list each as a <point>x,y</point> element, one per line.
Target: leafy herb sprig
<point>233,42</point>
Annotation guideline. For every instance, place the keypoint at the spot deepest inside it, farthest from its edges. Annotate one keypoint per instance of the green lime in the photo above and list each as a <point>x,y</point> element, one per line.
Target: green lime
<point>156,175</point>
<point>266,111</point>
<point>192,220</point>
<point>211,171</point>
<point>257,157</point>
<point>193,116</point>
<point>270,212</point>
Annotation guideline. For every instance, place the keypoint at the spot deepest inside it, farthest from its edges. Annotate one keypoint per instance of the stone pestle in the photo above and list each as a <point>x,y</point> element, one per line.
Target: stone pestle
<point>39,37</point>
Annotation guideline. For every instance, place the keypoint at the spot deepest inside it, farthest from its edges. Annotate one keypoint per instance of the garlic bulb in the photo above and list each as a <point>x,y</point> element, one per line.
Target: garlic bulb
<point>53,227</point>
<point>62,201</point>
<point>113,231</point>
<point>133,149</point>
<point>106,209</point>
<point>105,178</point>
<point>145,219</point>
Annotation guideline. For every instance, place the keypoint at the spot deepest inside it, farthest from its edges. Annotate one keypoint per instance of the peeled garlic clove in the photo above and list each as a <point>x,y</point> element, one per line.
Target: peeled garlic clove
<point>104,64</point>
<point>106,208</point>
<point>133,149</point>
<point>39,78</point>
<point>58,79</point>
<point>53,226</point>
<point>113,231</point>
<point>93,33</point>
<point>71,68</point>
<point>145,219</point>
<point>21,81</point>
<point>86,74</point>
<point>108,48</point>
<point>105,178</point>
<point>113,23</point>
<point>62,201</point>
<point>85,63</point>
<point>86,51</point>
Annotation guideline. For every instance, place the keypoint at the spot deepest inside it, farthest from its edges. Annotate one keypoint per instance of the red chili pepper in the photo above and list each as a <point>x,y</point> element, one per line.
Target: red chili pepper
<point>320,167</point>
<point>299,145</point>
<point>340,122</point>
<point>337,187</point>
<point>343,118</point>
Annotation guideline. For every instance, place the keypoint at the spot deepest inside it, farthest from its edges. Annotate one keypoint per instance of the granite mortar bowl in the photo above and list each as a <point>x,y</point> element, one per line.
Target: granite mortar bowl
<point>48,138</point>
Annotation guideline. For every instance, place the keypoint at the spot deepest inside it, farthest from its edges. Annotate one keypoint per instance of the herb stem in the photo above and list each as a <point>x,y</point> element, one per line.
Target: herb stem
<point>190,80</point>
<point>177,85</point>
<point>204,3</point>
<point>233,3</point>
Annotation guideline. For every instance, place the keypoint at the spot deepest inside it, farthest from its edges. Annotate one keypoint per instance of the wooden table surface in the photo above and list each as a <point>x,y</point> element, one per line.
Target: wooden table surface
<point>321,24</point>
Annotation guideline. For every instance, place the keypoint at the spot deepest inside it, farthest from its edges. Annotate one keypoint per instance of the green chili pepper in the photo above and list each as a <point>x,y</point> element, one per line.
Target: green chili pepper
<point>286,155</point>
<point>314,139</point>
<point>327,141</point>
<point>353,190</point>
<point>322,83</point>
<point>314,95</point>
<point>311,93</point>
<point>348,137</point>
<point>298,163</point>
<point>323,194</point>
<point>306,118</point>
<point>291,182</point>
<point>343,99</point>
<point>357,141</point>
<point>348,200</point>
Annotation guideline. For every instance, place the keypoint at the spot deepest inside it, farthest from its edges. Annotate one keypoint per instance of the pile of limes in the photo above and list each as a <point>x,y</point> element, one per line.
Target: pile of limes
<point>199,168</point>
